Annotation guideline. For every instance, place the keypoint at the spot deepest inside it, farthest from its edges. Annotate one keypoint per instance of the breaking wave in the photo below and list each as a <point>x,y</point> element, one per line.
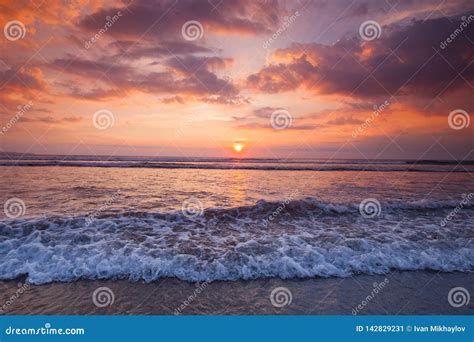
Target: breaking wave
<point>306,238</point>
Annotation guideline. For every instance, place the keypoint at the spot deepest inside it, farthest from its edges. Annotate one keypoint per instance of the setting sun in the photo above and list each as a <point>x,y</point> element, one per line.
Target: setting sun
<point>238,147</point>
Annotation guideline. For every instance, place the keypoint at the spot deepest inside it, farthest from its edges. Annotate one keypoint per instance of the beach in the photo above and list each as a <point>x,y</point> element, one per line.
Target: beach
<point>405,293</point>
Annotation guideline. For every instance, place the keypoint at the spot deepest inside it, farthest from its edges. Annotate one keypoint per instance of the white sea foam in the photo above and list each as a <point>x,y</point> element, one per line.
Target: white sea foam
<point>309,238</point>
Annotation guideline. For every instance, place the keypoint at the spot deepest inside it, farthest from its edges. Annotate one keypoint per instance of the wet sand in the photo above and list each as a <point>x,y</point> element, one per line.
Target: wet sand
<point>402,293</point>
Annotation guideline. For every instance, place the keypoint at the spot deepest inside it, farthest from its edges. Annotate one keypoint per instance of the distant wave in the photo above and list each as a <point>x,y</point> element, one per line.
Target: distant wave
<point>244,166</point>
<point>312,206</point>
<point>18,156</point>
<point>307,238</point>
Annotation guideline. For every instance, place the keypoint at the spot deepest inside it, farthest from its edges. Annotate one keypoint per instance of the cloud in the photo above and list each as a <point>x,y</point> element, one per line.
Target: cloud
<point>96,94</point>
<point>342,121</point>
<point>406,61</point>
<point>260,118</point>
<point>52,120</point>
<point>332,79</point>
<point>21,78</point>
<point>184,76</point>
<point>193,64</point>
<point>135,50</point>
<point>163,19</point>
<point>20,85</point>
<point>174,99</point>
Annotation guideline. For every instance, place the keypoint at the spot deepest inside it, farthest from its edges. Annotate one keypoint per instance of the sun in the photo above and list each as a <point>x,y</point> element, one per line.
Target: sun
<point>238,147</point>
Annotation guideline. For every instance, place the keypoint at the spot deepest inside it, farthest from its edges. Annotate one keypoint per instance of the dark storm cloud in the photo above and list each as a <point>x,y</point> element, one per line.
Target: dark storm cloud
<point>158,20</point>
<point>405,60</point>
<point>187,76</point>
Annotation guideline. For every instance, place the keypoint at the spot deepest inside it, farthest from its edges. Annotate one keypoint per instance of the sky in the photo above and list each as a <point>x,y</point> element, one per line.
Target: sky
<point>246,79</point>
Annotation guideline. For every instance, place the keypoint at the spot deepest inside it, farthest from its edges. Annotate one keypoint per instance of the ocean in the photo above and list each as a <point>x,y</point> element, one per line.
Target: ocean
<point>144,219</point>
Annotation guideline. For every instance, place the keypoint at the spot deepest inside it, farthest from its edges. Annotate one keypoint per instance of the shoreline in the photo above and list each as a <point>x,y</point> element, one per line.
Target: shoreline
<point>397,293</point>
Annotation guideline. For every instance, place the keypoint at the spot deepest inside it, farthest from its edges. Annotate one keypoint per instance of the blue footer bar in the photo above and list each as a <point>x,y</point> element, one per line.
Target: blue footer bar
<point>237,328</point>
